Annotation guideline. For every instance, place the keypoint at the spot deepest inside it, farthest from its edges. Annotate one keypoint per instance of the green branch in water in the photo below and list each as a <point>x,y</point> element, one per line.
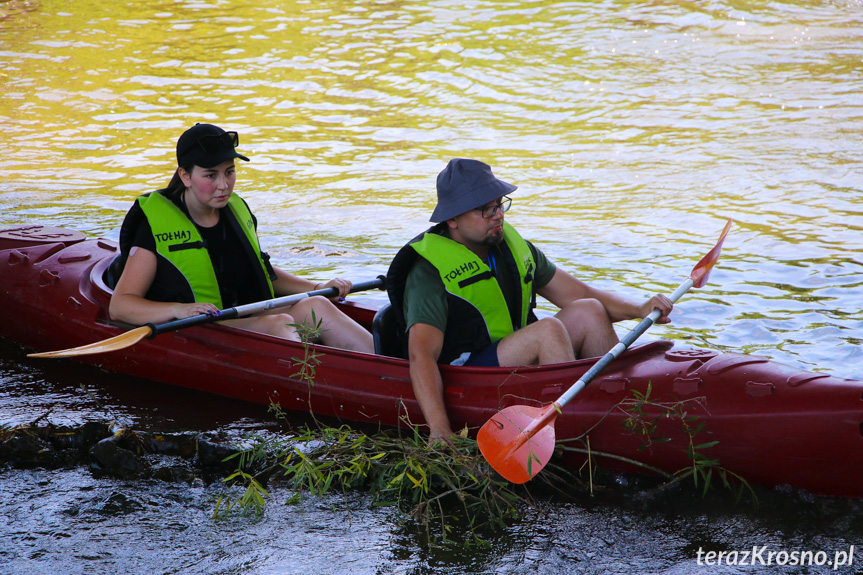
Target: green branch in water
<point>446,488</point>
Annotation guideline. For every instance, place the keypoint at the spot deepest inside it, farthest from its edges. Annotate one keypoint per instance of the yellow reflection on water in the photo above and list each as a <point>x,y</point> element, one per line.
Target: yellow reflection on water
<point>632,130</point>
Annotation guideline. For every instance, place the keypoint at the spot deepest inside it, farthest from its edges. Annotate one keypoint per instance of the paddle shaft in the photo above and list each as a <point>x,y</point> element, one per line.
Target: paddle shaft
<point>697,278</point>
<point>550,412</point>
<point>620,347</point>
<point>256,307</point>
<point>150,330</point>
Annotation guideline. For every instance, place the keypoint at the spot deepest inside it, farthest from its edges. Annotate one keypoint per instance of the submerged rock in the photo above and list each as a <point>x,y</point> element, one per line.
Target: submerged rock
<point>185,457</point>
<point>114,459</point>
<point>28,449</point>
<point>212,455</point>
<point>119,504</point>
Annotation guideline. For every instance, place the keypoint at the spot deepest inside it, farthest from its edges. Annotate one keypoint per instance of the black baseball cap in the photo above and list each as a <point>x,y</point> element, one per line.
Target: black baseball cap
<point>206,145</point>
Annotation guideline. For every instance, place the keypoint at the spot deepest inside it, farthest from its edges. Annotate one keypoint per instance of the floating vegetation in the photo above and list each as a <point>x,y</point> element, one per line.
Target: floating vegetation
<point>644,416</point>
<point>445,487</point>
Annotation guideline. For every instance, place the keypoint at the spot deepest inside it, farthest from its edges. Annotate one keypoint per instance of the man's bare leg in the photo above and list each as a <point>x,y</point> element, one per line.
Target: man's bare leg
<point>543,342</point>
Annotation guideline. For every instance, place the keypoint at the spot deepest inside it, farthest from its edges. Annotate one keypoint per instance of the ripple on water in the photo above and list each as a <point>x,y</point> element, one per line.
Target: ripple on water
<point>632,130</point>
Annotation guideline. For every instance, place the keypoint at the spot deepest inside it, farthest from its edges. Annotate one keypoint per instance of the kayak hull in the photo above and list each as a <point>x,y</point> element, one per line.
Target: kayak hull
<point>769,423</point>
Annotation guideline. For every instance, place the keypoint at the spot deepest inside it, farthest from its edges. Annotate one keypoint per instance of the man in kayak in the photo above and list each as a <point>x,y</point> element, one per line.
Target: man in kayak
<point>192,248</point>
<point>463,293</point>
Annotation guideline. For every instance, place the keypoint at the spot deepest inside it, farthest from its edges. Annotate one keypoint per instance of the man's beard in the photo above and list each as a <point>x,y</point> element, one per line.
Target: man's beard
<point>494,239</point>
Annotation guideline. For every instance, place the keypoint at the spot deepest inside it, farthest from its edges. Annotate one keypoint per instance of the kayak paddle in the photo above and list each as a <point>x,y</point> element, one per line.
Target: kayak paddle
<point>150,330</point>
<point>518,441</point>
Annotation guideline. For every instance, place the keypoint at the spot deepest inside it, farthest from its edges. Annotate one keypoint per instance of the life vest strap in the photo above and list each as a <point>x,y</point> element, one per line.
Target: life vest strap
<point>187,246</point>
<point>486,275</point>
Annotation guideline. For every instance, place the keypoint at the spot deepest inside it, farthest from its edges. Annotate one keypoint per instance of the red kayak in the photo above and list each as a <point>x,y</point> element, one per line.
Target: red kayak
<point>766,422</point>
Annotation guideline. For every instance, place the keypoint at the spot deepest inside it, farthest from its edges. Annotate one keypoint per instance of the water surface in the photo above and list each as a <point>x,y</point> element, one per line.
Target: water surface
<point>633,130</point>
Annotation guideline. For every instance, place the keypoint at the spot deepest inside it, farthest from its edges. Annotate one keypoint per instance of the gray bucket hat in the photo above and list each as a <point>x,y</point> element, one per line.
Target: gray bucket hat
<point>464,185</point>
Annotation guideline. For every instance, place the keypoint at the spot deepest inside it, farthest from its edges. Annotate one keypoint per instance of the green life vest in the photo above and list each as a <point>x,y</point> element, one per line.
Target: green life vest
<point>467,277</point>
<point>178,241</point>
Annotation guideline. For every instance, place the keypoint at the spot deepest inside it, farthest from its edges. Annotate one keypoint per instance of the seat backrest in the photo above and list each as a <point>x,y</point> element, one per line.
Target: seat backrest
<point>384,332</point>
<point>113,271</point>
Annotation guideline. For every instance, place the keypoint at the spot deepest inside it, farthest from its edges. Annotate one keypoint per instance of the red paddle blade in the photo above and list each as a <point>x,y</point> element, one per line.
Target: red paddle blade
<point>501,441</point>
<point>701,271</point>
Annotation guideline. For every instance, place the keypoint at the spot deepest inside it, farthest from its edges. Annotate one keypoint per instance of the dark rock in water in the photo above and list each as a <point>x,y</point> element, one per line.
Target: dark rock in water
<point>172,469</point>
<point>180,444</point>
<point>92,433</point>
<point>119,504</point>
<point>132,440</point>
<point>116,460</point>
<point>176,457</point>
<point>51,446</point>
<point>78,439</point>
<point>212,455</point>
<point>27,450</point>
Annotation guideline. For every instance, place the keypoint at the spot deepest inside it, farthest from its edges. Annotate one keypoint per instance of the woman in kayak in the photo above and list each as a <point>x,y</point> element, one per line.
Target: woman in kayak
<point>192,248</point>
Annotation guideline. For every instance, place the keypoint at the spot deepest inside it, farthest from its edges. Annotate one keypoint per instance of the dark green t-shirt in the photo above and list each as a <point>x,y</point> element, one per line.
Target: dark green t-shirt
<point>425,296</point>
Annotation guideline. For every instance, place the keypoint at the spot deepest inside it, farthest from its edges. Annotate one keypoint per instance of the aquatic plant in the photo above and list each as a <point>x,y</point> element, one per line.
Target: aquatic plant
<point>308,333</point>
<point>445,488</point>
<point>645,417</point>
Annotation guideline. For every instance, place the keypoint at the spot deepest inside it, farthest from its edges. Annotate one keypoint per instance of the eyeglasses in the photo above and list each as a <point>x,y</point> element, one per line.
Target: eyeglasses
<point>488,211</point>
<point>213,144</point>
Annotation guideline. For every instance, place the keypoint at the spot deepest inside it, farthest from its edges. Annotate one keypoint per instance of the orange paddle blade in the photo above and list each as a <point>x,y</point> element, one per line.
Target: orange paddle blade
<point>121,341</point>
<point>701,271</point>
<point>506,442</point>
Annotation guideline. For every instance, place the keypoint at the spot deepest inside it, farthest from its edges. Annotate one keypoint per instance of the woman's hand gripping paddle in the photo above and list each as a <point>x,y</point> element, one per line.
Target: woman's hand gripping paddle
<point>150,330</point>
<point>519,440</point>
